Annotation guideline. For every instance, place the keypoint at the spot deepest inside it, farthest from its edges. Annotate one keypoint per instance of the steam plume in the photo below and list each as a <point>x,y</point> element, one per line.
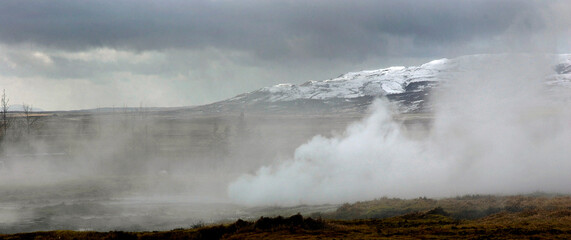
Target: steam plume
<point>496,130</point>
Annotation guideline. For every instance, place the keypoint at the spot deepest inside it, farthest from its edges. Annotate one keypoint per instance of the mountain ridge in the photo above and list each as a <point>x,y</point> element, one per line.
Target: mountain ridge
<point>408,88</point>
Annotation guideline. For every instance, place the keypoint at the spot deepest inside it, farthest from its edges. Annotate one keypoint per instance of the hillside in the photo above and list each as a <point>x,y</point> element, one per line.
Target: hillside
<point>409,88</point>
<point>533,217</point>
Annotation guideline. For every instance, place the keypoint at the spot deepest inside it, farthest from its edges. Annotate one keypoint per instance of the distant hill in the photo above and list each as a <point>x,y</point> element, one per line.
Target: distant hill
<point>20,108</point>
<point>408,88</point>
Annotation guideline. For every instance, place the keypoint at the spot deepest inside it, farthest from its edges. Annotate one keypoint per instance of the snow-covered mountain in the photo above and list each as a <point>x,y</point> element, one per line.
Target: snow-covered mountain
<point>408,87</point>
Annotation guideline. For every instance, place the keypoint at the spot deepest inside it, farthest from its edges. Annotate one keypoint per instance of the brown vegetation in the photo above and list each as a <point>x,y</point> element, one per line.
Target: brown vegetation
<point>462,207</point>
<point>545,218</point>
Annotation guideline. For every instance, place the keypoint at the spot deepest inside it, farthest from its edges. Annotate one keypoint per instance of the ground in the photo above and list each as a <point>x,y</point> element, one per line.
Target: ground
<point>518,217</point>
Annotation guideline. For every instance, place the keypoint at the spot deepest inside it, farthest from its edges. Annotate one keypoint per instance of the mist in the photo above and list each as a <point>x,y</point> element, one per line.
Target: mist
<point>496,129</point>
<point>136,169</point>
<point>195,152</point>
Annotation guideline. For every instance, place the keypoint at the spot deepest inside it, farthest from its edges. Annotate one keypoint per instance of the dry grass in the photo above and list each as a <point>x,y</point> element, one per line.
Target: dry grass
<point>517,217</point>
<point>464,207</point>
<point>433,224</point>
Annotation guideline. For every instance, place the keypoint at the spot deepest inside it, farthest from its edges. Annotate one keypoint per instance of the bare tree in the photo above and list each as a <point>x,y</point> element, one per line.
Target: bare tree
<point>4,111</point>
<point>30,120</point>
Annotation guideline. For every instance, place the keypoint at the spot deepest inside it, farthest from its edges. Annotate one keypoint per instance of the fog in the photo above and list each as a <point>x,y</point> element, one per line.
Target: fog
<point>497,129</point>
<point>494,127</point>
<point>136,168</point>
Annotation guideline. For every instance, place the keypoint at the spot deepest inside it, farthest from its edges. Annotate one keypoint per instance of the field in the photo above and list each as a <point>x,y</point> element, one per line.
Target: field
<point>517,217</point>
<point>139,175</point>
<point>139,170</point>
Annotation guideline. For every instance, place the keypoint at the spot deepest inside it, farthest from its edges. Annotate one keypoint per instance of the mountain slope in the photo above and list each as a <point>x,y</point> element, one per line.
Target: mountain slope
<point>408,88</point>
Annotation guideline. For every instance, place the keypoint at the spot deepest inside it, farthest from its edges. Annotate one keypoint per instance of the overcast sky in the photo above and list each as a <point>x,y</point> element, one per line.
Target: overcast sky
<point>62,55</point>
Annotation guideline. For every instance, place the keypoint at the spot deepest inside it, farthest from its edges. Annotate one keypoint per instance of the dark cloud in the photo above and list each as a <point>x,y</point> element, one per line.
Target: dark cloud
<point>268,29</point>
<point>180,52</point>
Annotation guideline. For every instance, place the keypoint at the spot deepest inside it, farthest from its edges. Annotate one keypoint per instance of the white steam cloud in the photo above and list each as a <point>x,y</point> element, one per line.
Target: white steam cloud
<point>497,130</point>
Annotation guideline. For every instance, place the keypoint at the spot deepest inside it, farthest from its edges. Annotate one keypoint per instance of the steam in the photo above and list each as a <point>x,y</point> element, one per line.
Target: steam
<point>496,130</point>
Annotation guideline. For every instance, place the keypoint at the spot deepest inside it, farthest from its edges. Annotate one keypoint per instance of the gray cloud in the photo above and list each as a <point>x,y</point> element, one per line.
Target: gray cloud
<point>206,50</point>
<point>276,29</point>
